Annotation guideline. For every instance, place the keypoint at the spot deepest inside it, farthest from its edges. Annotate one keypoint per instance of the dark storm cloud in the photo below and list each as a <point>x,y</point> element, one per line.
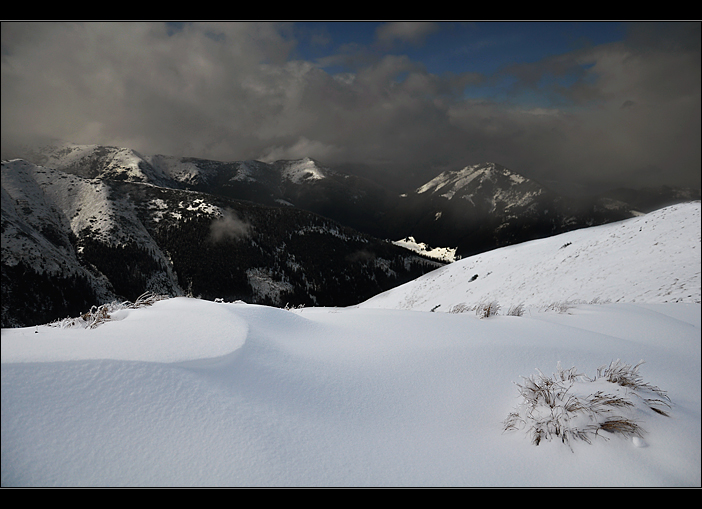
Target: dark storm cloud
<point>622,113</point>
<point>143,85</point>
<point>631,107</point>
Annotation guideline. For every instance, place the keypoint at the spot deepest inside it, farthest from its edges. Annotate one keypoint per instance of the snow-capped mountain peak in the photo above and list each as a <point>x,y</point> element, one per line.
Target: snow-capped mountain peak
<point>451,183</point>
<point>301,170</point>
<point>99,161</point>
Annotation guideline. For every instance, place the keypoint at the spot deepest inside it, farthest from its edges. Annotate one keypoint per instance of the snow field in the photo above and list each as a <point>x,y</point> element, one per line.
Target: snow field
<point>334,397</point>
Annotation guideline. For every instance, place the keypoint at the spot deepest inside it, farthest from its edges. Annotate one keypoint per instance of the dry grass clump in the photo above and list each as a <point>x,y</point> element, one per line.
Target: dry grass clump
<point>561,307</point>
<point>517,310</point>
<point>461,307</point>
<point>570,406</point>
<point>101,314</point>
<point>628,376</point>
<point>487,309</point>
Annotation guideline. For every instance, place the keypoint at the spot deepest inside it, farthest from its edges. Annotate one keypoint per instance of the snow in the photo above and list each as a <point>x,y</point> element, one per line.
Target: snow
<point>445,254</point>
<point>302,170</point>
<point>454,181</point>
<point>195,393</point>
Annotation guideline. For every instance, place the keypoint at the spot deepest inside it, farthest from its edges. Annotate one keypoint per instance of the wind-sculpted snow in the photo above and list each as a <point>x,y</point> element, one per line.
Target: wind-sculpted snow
<point>196,393</point>
<point>201,331</point>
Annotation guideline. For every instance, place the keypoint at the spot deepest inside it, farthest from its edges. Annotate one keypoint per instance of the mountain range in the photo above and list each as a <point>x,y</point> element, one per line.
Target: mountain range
<point>72,240</point>
<point>85,224</point>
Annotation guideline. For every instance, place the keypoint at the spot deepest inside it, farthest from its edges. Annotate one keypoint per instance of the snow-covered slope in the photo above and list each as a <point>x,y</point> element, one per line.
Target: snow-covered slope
<point>38,222</point>
<point>93,161</point>
<point>301,170</point>
<point>122,163</point>
<point>651,258</point>
<point>47,214</point>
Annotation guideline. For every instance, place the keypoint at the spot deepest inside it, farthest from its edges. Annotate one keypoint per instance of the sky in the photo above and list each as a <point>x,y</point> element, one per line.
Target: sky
<point>578,106</point>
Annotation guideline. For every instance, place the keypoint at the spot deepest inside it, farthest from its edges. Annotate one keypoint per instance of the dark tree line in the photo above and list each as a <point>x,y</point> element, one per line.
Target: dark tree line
<point>128,267</point>
<point>30,298</point>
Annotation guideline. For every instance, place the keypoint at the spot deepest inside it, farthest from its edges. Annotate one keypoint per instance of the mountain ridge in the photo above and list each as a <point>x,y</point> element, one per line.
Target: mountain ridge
<point>91,204</point>
<point>486,217</point>
<point>70,242</point>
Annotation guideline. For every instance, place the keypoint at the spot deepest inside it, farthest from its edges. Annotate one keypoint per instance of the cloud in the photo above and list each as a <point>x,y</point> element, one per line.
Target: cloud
<point>233,91</point>
<point>300,149</point>
<point>228,227</point>
<point>138,84</point>
<point>406,31</point>
<point>632,106</point>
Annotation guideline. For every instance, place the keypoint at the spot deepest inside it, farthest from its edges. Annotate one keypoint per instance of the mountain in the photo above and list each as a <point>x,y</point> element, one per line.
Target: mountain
<point>472,210</point>
<point>485,206</point>
<point>108,231</point>
<point>654,258</point>
<point>353,201</point>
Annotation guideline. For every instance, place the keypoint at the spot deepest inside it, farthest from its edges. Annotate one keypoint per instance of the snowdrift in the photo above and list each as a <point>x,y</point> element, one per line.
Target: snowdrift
<point>194,393</point>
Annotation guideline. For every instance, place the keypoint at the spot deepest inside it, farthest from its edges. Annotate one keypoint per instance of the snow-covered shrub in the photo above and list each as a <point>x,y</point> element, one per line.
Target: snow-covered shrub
<point>560,307</point>
<point>487,309</point>
<point>101,314</point>
<point>461,307</point>
<point>571,406</point>
<point>517,310</point>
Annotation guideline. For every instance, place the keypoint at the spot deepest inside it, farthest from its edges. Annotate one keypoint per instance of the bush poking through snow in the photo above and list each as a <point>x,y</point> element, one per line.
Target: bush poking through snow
<point>628,376</point>
<point>487,309</point>
<point>101,314</point>
<point>461,307</point>
<point>571,406</point>
<point>517,310</point>
<point>561,307</point>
